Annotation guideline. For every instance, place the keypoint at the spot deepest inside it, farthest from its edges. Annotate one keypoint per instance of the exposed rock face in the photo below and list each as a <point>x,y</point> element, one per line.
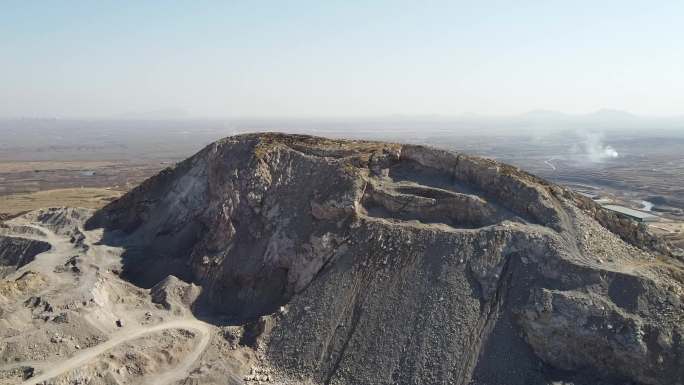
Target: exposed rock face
<point>399,264</point>
<point>16,252</point>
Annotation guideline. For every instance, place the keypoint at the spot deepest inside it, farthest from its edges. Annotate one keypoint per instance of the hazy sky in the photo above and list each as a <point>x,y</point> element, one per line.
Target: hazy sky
<point>339,58</point>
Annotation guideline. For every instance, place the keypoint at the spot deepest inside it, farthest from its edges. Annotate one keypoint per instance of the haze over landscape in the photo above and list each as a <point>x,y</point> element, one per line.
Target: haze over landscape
<point>319,193</point>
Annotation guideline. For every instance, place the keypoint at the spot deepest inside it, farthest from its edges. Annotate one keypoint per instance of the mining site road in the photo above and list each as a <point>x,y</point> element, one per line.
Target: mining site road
<point>179,372</point>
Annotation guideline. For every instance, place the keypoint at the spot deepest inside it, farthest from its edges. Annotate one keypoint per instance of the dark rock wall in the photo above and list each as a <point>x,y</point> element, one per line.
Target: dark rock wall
<point>16,252</point>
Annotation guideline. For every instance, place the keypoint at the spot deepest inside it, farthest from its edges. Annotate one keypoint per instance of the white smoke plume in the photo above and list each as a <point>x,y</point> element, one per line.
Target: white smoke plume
<point>592,148</point>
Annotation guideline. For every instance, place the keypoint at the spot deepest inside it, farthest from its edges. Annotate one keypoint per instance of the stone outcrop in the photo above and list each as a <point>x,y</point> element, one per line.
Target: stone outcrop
<point>381,263</point>
<point>16,252</point>
<point>174,294</point>
<point>631,231</point>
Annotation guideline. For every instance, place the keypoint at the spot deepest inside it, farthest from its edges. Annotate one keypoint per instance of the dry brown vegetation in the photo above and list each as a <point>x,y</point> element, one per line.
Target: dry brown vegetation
<point>70,197</point>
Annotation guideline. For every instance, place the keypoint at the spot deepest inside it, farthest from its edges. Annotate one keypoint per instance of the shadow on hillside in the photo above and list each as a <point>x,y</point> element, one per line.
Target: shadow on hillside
<point>230,301</point>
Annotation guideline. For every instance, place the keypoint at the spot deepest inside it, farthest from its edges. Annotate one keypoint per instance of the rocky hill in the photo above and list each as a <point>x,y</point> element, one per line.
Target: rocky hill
<point>347,262</point>
<point>350,262</point>
<point>298,260</point>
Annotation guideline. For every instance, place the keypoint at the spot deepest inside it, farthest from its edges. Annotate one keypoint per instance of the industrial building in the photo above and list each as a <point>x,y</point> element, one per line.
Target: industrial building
<point>637,215</point>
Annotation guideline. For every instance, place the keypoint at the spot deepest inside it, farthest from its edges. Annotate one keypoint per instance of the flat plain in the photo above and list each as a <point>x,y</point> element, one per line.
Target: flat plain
<point>86,197</point>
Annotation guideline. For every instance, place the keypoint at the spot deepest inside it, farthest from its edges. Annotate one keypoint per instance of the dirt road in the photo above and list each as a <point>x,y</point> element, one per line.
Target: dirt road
<point>178,373</point>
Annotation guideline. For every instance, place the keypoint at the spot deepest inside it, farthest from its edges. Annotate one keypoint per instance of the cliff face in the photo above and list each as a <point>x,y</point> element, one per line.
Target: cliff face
<point>387,263</point>
<point>16,252</point>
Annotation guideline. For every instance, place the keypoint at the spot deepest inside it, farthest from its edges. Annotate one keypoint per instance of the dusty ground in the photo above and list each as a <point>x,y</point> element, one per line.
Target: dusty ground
<point>67,318</point>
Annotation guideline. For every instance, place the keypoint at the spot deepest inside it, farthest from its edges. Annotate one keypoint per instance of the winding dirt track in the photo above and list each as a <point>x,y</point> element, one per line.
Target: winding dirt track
<point>178,373</point>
